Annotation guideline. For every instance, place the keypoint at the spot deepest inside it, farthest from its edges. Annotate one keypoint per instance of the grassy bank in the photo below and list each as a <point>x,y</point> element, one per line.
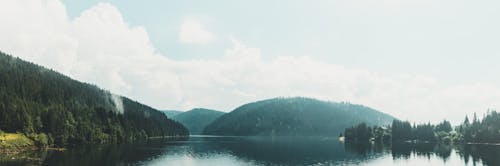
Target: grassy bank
<point>15,142</point>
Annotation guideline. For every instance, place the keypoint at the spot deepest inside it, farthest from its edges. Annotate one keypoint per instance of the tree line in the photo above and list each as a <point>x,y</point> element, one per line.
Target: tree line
<point>486,130</point>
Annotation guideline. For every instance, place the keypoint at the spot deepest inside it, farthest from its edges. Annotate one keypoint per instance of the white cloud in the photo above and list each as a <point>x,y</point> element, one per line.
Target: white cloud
<point>96,47</point>
<point>192,31</point>
<point>101,48</point>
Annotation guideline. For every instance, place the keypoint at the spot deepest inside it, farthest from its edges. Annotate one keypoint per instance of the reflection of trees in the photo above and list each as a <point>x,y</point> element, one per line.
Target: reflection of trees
<point>443,151</point>
<point>276,151</point>
<point>28,157</point>
<point>424,149</point>
<point>365,148</point>
<point>124,154</point>
<point>400,150</point>
<point>286,150</point>
<point>488,154</point>
<point>405,150</point>
<point>359,148</point>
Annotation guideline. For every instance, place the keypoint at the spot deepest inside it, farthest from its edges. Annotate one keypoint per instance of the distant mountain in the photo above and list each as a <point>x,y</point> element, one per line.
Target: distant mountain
<point>38,101</point>
<point>294,116</point>
<point>171,113</point>
<point>197,119</point>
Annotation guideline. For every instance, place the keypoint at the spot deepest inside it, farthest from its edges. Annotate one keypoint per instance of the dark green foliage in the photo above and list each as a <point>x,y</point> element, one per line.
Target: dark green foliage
<point>361,132</point>
<point>34,99</point>
<point>41,140</point>
<point>398,132</point>
<point>401,130</point>
<point>444,126</point>
<point>381,134</point>
<point>486,130</point>
<point>424,132</point>
<point>295,116</point>
<point>197,119</point>
<point>443,132</point>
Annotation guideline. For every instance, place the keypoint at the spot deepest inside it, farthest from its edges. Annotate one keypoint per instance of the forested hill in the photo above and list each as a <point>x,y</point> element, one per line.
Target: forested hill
<point>171,113</point>
<point>294,116</point>
<point>58,110</point>
<point>197,119</point>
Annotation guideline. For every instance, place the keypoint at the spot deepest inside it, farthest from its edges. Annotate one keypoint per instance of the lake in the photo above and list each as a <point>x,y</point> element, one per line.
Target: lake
<point>212,150</point>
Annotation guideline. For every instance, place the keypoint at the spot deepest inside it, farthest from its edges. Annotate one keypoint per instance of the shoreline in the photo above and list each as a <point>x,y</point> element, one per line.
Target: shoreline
<point>17,143</point>
<point>17,150</point>
<point>160,137</point>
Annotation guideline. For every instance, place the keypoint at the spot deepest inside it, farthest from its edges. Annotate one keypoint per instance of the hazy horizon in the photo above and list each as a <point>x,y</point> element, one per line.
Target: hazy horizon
<point>416,60</point>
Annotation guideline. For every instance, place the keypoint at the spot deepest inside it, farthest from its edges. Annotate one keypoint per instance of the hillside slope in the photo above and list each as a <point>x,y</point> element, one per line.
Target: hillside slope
<point>35,100</point>
<point>197,119</point>
<point>171,113</point>
<point>294,116</point>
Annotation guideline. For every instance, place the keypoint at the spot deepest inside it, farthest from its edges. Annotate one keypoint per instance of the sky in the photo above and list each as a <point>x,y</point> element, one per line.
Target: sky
<point>419,60</point>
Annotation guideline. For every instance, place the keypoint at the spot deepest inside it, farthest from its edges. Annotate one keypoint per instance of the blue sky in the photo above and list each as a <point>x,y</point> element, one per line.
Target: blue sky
<point>411,58</point>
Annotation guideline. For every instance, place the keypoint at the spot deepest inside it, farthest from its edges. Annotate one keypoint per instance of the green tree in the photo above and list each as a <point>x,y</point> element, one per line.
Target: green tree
<point>59,110</point>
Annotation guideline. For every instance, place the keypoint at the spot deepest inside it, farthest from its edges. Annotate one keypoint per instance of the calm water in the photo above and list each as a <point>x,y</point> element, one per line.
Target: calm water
<point>203,150</point>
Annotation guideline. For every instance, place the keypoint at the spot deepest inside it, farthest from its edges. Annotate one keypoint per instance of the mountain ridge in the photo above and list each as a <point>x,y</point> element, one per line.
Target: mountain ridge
<point>171,113</point>
<point>299,116</point>
<point>197,119</point>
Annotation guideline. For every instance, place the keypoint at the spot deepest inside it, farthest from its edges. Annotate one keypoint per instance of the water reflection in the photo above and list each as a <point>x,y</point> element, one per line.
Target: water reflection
<point>406,150</point>
<point>125,154</point>
<point>263,151</point>
<point>488,154</point>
